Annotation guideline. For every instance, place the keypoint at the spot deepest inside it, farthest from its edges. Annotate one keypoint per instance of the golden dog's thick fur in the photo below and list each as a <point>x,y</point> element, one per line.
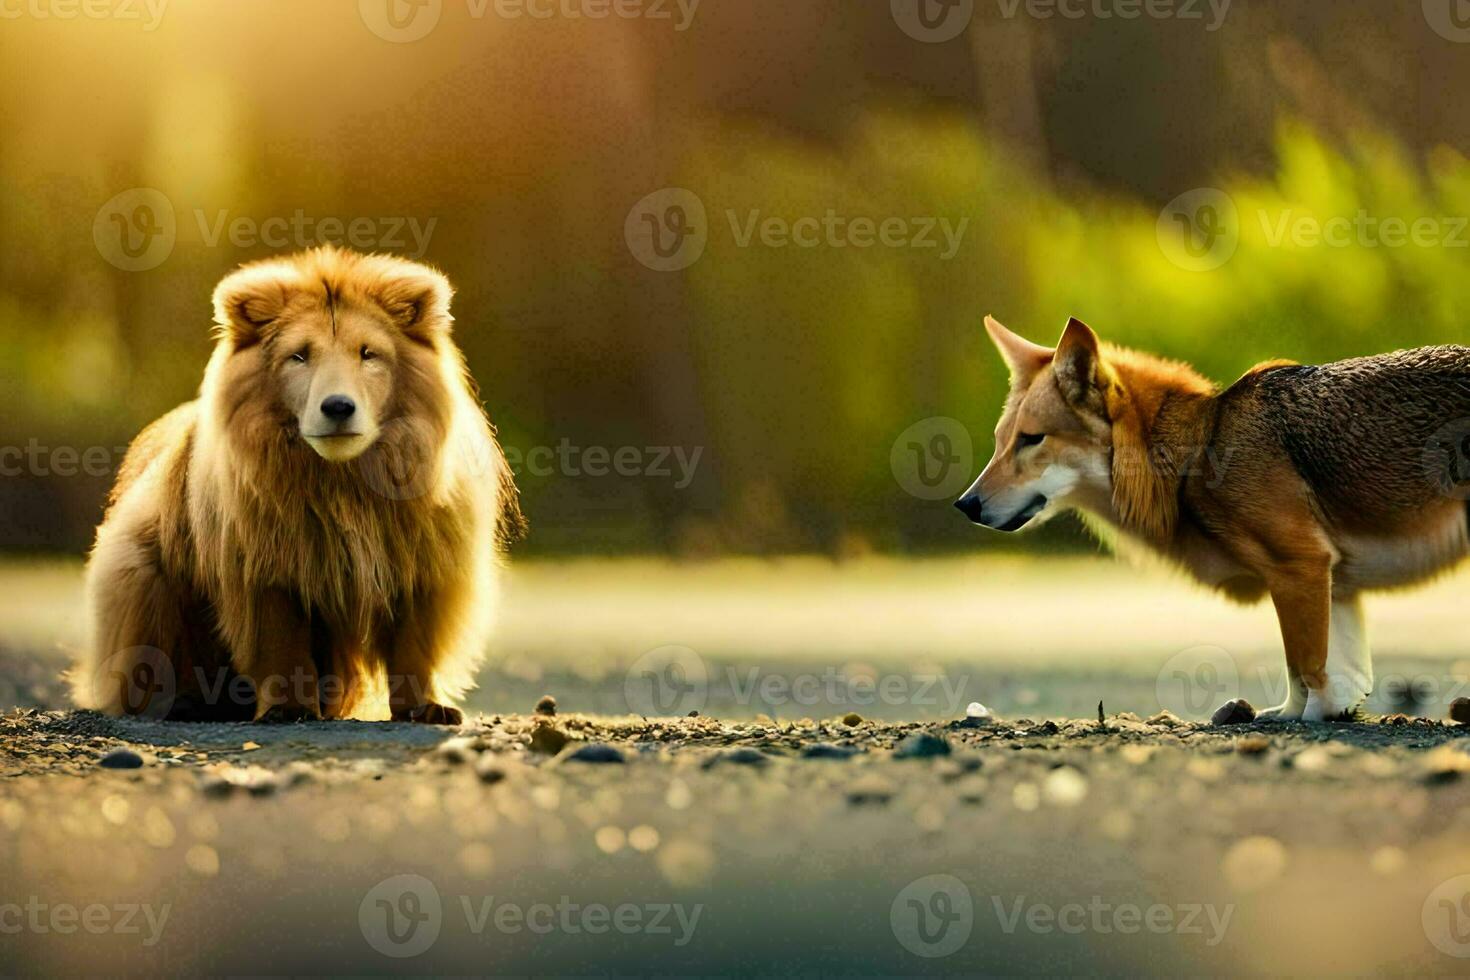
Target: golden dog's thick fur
<point>250,566</point>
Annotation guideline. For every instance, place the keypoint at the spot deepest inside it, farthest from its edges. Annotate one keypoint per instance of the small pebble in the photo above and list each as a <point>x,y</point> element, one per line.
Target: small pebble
<point>546,706</point>
<point>548,739</point>
<point>744,756</point>
<point>1237,712</point>
<point>1460,711</point>
<point>216,787</point>
<point>121,759</point>
<point>1313,758</point>
<point>457,750</point>
<point>922,745</point>
<point>1252,744</point>
<point>1064,786</point>
<point>977,716</point>
<point>1445,764</point>
<point>489,769</point>
<point>597,752</point>
<point>869,789</point>
<point>828,750</point>
<point>852,719</point>
<point>1254,862</point>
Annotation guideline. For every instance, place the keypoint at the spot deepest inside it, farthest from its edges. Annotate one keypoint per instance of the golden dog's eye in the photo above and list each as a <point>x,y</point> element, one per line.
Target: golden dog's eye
<point>1026,440</point>
<point>300,356</point>
<point>367,353</point>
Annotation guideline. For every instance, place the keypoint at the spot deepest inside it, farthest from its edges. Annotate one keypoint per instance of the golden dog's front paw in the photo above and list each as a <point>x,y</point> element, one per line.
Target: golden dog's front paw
<point>282,714</point>
<point>430,714</point>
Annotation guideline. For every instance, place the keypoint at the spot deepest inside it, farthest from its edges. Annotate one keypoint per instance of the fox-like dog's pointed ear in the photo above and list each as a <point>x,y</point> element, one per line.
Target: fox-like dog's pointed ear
<point>1022,356</point>
<point>1077,363</point>
<point>249,299</point>
<point>417,298</point>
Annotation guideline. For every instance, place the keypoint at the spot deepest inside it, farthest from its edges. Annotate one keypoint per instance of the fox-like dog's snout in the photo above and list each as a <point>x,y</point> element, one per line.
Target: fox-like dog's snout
<point>1310,484</point>
<point>983,511</point>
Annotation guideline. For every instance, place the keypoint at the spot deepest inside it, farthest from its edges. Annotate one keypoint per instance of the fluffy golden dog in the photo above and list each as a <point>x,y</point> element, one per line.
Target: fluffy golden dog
<point>319,534</point>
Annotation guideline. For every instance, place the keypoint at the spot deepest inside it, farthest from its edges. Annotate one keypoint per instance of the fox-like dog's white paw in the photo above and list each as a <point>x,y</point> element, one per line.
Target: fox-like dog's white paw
<point>1340,698</point>
<point>1292,708</point>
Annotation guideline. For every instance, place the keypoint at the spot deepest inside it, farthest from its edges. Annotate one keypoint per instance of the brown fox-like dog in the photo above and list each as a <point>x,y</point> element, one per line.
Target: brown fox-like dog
<point>319,533</point>
<point>1310,484</point>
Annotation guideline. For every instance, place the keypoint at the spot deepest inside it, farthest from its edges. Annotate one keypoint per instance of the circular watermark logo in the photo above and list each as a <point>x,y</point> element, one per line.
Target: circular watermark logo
<point>667,230</point>
<point>136,230</point>
<point>1199,230</point>
<point>400,916</point>
<point>139,681</point>
<point>933,916</point>
<point>1450,19</point>
<point>1446,917</point>
<point>933,459</point>
<point>932,21</point>
<point>1447,459</point>
<point>668,680</point>
<point>1196,681</point>
<point>400,21</point>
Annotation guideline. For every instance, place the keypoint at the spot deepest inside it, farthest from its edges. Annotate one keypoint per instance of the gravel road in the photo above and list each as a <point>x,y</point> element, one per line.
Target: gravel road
<point>572,844</point>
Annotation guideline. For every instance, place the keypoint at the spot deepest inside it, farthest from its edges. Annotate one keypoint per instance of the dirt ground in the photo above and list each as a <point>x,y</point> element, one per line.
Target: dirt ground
<point>574,844</point>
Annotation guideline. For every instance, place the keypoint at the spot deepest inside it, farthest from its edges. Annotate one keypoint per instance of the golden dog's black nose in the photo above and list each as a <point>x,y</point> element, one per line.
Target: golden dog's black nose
<point>338,407</point>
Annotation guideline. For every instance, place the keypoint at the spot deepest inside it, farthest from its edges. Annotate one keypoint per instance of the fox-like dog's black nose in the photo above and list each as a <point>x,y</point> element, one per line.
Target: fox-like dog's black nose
<point>970,505</point>
<point>338,407</point>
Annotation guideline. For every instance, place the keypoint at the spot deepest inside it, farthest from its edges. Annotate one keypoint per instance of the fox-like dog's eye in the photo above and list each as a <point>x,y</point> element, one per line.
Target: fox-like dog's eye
<point>1026,440</point>
<point>300,356</point>
<point>367,353</point>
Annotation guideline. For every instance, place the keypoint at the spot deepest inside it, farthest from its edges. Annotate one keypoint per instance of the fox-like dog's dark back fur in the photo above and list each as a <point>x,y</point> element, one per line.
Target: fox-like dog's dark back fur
<point>1372,433</point>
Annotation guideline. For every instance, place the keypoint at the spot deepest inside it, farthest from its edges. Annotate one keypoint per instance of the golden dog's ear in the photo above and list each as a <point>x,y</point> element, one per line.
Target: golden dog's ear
<point>417,298</point>
<point>1023,357</point>
<point>250,299</point>
<point>1077,364</point>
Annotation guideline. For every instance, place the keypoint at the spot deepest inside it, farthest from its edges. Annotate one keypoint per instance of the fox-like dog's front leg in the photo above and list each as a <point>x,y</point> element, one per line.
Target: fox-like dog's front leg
<point>279,662</point>
<point>1329,672</point>
<point>1301,591</point>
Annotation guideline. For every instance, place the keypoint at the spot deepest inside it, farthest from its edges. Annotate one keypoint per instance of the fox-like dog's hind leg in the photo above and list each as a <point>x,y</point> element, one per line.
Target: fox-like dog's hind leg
<point>1349,671</point>
<point>1349,663</point>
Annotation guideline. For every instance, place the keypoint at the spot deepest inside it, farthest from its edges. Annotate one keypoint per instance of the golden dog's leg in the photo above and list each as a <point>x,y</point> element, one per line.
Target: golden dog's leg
<point>1301,590</point>
<point>412,654</point>
<point>280,665</point>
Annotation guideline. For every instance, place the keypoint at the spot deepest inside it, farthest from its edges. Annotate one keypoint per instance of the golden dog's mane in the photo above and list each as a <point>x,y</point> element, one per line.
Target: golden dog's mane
<point>414,527</point>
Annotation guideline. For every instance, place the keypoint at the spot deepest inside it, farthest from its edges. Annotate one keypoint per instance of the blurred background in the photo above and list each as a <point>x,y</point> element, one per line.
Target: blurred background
<point>721,266</point>
<point>510,149</point>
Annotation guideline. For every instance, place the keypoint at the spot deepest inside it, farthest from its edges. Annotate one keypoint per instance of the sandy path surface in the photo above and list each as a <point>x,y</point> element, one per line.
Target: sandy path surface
<point>581,844</point>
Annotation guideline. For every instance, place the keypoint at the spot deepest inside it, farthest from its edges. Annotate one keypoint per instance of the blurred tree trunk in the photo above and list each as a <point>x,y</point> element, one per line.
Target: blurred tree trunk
<point>1005,75</point>
<point>644,162</point>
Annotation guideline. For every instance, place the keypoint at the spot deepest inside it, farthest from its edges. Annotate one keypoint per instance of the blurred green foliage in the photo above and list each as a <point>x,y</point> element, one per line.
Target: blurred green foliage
<point>806,362</point>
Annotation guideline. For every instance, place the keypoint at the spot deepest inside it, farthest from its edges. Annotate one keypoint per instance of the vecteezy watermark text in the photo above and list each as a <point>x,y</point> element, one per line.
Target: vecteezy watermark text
<point>1185,10</point>
<point>137,230</point>
<point>63,918</point>
<point>405,21</point>
<point>669,230</point>
<point>565,459</point>
<point>147,12</point>
<point>674,680</point>
<point>402,917</point>
<point>1103,917</point>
